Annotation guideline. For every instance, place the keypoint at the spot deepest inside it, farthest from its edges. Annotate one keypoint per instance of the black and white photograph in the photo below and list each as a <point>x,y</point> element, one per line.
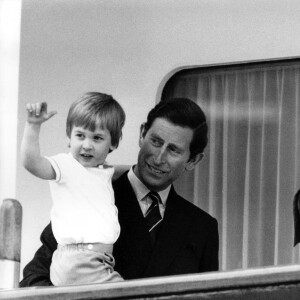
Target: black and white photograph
<point>149,149</point>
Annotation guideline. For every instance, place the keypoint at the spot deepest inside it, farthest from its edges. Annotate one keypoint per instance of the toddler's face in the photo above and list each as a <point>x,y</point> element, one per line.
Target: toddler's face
<point>90,148</point>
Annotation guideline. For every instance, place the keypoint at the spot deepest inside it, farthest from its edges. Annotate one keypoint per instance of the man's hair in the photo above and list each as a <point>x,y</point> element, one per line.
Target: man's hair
<point>95,109</point>
<point>185,113</point>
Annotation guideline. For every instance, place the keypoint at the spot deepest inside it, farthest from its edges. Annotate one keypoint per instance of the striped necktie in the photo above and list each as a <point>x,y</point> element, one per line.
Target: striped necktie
<point>153,217</point>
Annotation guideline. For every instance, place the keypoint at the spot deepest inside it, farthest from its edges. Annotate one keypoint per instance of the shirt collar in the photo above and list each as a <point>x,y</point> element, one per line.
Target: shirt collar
<point>141,190</point>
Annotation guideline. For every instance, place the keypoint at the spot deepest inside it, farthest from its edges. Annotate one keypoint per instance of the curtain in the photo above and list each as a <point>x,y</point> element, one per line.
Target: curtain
<point>251,169</point>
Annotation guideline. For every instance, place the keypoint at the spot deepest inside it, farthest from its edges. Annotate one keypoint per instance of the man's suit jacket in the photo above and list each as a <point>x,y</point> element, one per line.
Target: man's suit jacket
<point>188,241</point>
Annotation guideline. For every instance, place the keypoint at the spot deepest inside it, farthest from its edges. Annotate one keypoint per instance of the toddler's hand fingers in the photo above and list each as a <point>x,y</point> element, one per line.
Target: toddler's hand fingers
<point>29,107</point>
<point>51,114</point>
<point>39,107</point>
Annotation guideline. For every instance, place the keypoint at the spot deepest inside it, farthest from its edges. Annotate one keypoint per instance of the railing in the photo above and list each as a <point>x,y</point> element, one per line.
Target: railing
<point>10,243</point>
<point>266,283</point>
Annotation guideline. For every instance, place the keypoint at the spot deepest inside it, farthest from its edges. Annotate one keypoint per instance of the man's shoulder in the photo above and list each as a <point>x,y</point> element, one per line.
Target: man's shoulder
<point>121,182</point>
<point>122,188</point>
<point>192,209</point>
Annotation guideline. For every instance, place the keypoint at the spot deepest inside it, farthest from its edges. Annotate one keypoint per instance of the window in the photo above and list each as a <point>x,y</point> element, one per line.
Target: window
<point>251,169</point>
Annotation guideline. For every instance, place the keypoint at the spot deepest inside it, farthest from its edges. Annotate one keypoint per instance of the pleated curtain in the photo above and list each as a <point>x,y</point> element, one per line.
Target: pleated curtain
<point>251,169</point>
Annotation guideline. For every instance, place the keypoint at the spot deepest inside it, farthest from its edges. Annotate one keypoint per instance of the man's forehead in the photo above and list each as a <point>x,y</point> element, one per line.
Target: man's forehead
<point>158,121</point>
<point>171,133</point>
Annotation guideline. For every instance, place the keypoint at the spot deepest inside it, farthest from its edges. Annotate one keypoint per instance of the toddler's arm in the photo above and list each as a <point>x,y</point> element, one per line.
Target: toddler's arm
<point>120,170</point>
<point>30,148</point>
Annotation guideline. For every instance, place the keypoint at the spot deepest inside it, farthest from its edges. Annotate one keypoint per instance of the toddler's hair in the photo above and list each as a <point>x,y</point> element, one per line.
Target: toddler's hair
<point>95,109</point>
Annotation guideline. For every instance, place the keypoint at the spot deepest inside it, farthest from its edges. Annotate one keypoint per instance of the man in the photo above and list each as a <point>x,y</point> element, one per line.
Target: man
<point>174,237</point>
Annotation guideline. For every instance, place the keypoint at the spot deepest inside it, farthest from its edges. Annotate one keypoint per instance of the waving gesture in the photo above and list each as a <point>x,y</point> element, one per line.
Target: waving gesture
<point>30,148</point>
<point>37,113</point>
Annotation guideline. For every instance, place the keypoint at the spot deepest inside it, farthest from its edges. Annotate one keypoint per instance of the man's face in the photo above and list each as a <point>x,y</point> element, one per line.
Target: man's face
<point>164,154</point>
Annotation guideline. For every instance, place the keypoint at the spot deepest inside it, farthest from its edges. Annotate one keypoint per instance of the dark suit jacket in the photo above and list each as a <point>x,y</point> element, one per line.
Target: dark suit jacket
<point>296,211</point>
<point>188,241</point>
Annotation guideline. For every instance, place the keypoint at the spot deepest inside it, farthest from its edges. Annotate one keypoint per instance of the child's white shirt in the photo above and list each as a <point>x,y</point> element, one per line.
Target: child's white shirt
<point>83,202</point>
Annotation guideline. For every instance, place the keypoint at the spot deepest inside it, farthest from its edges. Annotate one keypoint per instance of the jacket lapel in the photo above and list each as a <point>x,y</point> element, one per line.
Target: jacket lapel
<point>134,239</point>
<point>174,229</point>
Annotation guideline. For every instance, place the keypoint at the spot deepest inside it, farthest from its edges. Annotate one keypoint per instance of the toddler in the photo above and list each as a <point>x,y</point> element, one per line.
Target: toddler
<point>84,217</point>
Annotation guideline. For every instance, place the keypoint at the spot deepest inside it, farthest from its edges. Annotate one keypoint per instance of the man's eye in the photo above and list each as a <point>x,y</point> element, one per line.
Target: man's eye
<point>174,150</point>
<point>155,142</point>
<point>79,135</point>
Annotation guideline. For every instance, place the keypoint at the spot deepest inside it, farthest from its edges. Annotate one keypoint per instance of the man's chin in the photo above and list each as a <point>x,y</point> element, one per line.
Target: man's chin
<point>154,182</point>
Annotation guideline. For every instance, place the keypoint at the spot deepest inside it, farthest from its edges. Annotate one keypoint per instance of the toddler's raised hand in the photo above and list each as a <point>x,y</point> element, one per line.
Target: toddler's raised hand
<point>37,113</point>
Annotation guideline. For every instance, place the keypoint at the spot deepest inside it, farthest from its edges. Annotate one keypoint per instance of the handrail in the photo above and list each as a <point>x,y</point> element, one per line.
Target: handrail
<point>10,242</point>
<point>264,283</point>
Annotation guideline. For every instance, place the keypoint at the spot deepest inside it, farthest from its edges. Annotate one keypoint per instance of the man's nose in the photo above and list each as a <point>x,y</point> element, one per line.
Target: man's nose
<point>160,156</point>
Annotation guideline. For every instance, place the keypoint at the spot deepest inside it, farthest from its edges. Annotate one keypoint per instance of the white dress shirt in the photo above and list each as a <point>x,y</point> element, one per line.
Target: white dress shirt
<point>141,192</point>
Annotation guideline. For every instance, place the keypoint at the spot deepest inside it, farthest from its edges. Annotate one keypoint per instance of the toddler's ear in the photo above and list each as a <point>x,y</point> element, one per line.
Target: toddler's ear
<point>112,148</point>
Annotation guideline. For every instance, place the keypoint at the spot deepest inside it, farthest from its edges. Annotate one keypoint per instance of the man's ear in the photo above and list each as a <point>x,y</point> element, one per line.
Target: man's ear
<point>142,134</point>
<point>192,163</point>
<point>69,142</point>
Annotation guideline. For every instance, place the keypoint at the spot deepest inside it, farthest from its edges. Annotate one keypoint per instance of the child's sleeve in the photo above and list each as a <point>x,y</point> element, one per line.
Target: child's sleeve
<point>60,164</point>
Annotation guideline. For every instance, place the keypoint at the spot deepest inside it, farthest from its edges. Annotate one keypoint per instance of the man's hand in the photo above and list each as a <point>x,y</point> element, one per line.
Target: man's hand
<point>37,113</point>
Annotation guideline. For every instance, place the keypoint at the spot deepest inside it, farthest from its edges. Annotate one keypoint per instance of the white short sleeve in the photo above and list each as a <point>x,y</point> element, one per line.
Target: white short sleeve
<point>63,164</point>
